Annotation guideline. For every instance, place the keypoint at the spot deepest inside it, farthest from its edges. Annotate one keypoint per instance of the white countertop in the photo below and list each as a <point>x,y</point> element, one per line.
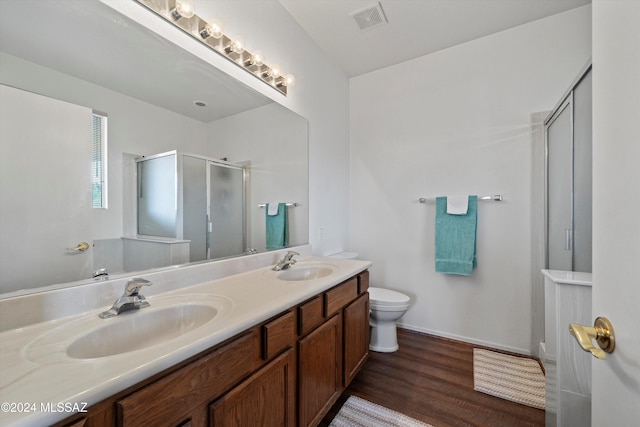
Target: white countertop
<point>569,277</point>
<point>52,377</point>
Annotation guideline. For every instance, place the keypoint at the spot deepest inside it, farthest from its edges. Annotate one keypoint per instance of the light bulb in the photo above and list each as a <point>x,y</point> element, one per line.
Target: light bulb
<point>275,71</point>
<point>212,29</point>
<point>183,9</point>
<point>257,59</point>
<point>238,46</point>
<point>235,45</point>
<point>286,81</point>
<point>289,80</point>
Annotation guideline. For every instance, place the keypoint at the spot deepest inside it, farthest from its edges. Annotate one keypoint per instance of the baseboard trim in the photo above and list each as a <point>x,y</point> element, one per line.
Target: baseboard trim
<point>487,344</point>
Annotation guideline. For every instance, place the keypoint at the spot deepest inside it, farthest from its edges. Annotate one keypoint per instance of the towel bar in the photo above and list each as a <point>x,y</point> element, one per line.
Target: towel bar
<point>295,205</point>
<point>495,198</point>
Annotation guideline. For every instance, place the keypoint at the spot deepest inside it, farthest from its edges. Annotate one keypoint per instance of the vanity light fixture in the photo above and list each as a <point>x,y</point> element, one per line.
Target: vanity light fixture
<point>181,14</point>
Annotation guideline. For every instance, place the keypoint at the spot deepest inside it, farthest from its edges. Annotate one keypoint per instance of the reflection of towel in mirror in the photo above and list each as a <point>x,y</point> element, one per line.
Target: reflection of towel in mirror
<point>277,228</point>
<point>456,238</point>
<point>272,209</point>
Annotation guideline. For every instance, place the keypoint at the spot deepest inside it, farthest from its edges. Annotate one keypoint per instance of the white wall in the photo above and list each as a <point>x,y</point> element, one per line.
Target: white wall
<point>458,122</point>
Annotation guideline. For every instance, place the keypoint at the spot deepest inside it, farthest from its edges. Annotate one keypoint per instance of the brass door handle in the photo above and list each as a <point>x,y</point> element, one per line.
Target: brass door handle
<point>81,247</point>
<point>601,330</point>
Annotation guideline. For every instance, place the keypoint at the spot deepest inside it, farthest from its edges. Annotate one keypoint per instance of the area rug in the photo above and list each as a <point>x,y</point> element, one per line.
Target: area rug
<point>517,379</point>
<point>357,412</point>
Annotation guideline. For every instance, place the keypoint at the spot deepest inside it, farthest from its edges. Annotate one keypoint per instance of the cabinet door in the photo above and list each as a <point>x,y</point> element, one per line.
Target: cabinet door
<point>319,371</point>
<point>265,399</point>
<point>356,336</point>
<point>180,396</point>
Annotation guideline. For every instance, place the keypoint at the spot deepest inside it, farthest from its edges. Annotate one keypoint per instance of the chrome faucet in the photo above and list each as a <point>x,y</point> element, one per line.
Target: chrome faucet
<point>130,299</point>
<point>101,274</point>
<point>286,261</point>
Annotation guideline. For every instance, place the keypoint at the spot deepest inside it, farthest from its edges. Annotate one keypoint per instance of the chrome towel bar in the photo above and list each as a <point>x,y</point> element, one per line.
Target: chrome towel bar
<point>295,205</point>
<point>494,198</point>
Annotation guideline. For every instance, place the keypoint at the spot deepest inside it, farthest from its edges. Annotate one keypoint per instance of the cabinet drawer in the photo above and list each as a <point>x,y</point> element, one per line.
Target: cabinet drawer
<point>363,281</point>
<point>310,315</point>
<point>167,400</point>
<point>278,335</point>
<point>341,295</point>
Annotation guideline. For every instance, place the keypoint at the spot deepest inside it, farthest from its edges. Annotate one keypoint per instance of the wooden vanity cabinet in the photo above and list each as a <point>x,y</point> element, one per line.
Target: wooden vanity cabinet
<point>331,354</point>
<point>287,371</point>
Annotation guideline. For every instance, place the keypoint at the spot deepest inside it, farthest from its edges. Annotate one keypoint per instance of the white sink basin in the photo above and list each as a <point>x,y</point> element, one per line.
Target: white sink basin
<point>305,273</point>
<point>141,329</point>
<point>166,320</point>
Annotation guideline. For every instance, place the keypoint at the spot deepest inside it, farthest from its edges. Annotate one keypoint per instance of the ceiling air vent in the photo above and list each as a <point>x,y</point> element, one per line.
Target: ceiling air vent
<point>371,17</point>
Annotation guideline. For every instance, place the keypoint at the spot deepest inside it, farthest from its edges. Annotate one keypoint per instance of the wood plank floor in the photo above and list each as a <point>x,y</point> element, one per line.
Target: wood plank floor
<point>431,379</point>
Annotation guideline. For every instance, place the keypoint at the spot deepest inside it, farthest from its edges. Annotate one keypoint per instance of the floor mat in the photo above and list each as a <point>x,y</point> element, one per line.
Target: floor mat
<point>518,379</point>
<point>357,412</point>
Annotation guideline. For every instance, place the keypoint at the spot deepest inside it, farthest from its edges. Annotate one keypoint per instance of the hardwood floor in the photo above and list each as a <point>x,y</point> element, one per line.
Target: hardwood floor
<point>431,379</point>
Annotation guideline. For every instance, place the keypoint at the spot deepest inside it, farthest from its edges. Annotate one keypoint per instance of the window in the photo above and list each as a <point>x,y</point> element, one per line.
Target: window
<point>99,161</point>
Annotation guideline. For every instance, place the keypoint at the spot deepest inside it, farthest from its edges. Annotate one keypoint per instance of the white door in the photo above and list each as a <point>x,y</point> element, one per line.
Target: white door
<point>616,208</point>
<point>45,190</point>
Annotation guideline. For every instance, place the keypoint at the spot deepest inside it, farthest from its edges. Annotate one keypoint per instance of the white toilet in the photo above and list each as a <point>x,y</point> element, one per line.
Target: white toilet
<point>386,306</point>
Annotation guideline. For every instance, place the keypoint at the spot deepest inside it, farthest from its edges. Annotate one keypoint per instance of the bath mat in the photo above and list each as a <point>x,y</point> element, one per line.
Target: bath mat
<point>357,412</point>
<point>517,379</point>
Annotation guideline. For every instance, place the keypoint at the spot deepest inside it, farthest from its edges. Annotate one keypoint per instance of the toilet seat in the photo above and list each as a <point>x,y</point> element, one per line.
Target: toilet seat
<point>387,300</point>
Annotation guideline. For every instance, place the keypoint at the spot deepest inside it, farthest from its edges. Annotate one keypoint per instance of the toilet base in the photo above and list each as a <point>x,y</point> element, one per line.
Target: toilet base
<point>384,337</point>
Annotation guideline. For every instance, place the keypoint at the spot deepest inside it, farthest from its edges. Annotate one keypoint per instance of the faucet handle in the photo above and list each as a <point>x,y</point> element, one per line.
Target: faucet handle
<point>290,254</point>
<point>134,285</point>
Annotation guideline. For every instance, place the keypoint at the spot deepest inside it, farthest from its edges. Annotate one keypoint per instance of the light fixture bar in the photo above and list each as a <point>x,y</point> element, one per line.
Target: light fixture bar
<point>211,35</point>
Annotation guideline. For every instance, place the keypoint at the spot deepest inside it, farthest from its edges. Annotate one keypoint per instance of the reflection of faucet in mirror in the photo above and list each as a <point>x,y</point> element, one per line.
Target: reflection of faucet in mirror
<point>130,300</point>
<point>101,274</point>
<point>286,261</point>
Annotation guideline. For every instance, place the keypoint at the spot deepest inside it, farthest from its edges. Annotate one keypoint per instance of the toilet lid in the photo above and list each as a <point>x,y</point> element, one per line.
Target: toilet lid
<point>387,297</point>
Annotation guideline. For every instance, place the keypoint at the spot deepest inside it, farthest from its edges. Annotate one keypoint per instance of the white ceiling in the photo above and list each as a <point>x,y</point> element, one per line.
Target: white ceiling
<point>415,27</point>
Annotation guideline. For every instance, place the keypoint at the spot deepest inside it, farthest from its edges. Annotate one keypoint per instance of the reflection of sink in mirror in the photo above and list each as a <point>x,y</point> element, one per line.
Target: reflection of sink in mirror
<point>300,273</point>
<point>134,331</point>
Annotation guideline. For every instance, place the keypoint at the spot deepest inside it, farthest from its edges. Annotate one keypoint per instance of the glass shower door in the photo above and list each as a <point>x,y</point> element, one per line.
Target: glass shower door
<point>560,189</point>
<point>226,214</point>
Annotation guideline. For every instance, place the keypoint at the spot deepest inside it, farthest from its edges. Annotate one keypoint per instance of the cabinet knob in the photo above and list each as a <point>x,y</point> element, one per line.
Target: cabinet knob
<point>601,331</point>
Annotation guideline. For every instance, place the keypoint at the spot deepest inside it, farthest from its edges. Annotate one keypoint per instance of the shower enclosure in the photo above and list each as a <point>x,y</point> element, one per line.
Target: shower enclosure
<point>193,198</point>
<point>568,176</point>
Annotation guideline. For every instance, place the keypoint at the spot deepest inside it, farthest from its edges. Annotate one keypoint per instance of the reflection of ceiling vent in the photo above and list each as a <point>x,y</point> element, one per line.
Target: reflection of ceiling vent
<point>370,17</point>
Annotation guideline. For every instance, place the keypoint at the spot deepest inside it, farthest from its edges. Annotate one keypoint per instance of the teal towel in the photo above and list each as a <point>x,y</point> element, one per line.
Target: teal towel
<point>277,228</point>
<point>456,238</point>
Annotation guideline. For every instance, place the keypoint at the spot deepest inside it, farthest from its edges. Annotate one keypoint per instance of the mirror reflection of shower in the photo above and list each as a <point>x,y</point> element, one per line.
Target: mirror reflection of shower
<point>191,207</point>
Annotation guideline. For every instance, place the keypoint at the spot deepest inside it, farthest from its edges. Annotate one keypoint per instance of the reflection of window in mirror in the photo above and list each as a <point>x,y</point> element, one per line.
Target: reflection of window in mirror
<point>99,161</point>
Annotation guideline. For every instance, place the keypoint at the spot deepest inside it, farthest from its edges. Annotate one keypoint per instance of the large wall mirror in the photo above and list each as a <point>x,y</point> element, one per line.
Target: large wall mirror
<point>86,90</point>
